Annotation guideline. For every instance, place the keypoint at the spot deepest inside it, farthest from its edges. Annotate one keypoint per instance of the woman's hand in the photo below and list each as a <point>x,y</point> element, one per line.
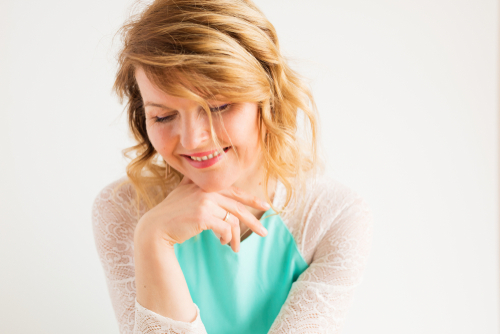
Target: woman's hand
<point>188,210</point>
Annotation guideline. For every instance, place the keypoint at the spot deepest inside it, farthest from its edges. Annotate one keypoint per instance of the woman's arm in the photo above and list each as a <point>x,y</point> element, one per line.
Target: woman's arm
<point>160,282</point>
<point>114,221</point>
<point>319,300</point>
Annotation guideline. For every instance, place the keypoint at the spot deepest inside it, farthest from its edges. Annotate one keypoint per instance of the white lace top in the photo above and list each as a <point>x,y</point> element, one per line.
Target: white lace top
<point>332,227</point>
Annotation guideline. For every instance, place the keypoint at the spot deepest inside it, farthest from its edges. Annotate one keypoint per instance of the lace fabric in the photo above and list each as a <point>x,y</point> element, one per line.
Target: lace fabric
<point>332,227</point>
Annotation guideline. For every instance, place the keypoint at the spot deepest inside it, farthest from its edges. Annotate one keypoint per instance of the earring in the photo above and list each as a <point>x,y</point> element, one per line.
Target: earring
<point>167,171</point>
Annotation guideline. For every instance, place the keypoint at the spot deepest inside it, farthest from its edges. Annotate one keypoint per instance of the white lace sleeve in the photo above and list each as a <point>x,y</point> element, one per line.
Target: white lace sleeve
<point>341,239</point>
<point>113,221</point>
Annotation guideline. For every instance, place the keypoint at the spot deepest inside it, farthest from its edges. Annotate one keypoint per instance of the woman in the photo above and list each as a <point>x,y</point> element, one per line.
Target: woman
<point>214,108</point>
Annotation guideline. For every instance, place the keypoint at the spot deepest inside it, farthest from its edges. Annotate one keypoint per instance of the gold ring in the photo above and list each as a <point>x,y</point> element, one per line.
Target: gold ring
<point>227,216</point>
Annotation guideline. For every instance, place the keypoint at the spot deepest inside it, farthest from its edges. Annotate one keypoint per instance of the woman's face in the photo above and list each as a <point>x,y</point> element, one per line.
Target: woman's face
<point>179,130</point>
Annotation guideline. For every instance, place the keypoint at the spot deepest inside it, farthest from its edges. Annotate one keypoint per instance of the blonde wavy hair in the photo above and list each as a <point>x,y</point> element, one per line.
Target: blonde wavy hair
<point>197,49</point>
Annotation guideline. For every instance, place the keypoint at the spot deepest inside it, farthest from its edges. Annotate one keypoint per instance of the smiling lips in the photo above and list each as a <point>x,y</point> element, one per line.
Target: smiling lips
<point>204,160</point>
<point>200,157</point>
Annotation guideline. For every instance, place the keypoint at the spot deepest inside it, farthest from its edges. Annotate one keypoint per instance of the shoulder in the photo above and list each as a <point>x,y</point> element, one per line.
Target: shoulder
<point>333,196</point>
<point>115,208</point>
<point>339,208</point>
<point>326,207</point>
<point>327,197</point>
<point>118,195</point>
<point>339,205</point>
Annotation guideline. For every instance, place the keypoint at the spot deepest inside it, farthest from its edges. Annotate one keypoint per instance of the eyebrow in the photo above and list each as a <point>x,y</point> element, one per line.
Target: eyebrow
<point>151,104</point>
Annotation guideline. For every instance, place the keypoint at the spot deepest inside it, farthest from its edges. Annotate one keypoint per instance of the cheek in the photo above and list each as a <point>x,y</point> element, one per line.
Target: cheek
<point>248,127</point>
<point>242,128</point>
<point>161,139</point>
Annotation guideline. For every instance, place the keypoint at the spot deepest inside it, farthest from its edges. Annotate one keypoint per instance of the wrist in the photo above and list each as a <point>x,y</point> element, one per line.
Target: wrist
<point>148,234</point>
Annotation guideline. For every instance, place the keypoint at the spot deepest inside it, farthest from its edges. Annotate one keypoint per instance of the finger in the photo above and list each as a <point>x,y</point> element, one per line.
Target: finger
<point>221,228</point>
<point>241,212</point>
<point>235,231</point>
<point>243,197</point>
<point>233,221</point>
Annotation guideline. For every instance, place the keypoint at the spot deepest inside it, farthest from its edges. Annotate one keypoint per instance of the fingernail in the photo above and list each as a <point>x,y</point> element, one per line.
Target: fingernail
<point>263,231</point>
<point>266,205</point>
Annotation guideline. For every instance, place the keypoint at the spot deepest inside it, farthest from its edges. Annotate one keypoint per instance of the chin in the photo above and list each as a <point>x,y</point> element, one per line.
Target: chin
<point>213,184</point>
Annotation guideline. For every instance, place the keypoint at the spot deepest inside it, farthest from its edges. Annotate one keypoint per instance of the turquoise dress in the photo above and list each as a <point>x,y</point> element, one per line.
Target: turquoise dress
<point>241,292</point>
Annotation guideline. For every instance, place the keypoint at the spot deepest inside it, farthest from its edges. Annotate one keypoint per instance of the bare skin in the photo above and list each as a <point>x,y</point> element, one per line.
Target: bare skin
<point>203,197</point>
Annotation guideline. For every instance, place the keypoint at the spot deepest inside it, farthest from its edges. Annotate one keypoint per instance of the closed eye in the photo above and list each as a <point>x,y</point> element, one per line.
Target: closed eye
<point>171,117</point>
<point>164,119</point>
<point>220,108</point>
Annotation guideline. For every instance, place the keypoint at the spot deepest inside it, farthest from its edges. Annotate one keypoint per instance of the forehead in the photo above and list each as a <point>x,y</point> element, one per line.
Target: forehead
<point>152,93</point>
<point>149,91</point>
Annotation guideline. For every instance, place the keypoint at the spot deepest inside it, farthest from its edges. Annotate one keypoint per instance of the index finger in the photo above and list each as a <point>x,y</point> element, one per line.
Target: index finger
<point>245,198</point>
<point>241,212</point>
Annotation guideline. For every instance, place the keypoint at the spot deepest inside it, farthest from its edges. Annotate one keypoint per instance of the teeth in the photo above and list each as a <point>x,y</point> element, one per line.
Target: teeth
<point>206,157</point>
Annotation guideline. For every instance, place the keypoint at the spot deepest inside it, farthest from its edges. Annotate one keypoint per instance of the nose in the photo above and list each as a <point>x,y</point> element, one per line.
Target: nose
<point>195,131</point>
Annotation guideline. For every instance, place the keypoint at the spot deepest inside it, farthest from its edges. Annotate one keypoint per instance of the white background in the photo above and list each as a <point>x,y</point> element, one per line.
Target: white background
<point>408,97</point>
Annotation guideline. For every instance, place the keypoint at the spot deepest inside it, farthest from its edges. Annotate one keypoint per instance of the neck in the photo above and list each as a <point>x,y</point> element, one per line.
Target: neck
<point>254,185</point>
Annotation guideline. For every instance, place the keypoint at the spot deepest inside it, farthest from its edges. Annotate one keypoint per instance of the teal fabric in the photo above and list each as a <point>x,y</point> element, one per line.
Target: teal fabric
<point>241,292</point>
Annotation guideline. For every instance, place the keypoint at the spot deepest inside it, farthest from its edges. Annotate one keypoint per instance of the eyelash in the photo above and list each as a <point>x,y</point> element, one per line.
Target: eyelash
<point>169,118</point>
